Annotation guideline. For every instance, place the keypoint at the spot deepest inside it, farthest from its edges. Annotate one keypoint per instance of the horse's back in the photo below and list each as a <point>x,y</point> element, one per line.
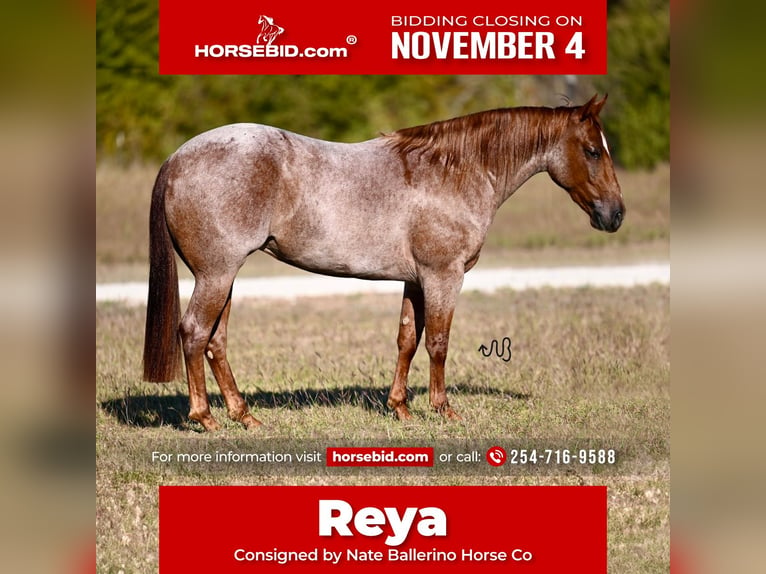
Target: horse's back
<point>243,146</point>
<point>242,139</point>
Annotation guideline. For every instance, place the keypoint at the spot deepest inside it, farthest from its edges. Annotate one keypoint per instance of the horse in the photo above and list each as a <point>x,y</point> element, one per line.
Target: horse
<point>413,205</point>
<point>269,30</point>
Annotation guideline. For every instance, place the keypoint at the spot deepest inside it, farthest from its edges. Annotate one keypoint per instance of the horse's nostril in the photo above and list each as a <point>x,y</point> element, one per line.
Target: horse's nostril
<point>597,221</point>
<point>617,218</point>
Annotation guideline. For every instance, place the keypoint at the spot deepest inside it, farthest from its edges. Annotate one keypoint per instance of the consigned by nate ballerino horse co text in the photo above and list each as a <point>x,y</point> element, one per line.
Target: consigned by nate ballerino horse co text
<point>338,518</point>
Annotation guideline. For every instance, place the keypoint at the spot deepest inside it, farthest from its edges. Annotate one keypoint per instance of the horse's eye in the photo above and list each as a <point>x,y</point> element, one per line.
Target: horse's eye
<point>593,153</point>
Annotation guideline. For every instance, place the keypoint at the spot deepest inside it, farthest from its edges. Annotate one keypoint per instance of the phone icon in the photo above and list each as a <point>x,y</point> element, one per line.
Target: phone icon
<point>496,456</point>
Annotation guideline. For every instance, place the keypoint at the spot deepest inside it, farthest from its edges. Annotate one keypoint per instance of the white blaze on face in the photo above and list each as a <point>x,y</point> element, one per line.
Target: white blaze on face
<point>606,148</point>
<point>603,141</point>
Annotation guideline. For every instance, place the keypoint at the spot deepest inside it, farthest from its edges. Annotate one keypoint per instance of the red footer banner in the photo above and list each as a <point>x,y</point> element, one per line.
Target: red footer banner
<point>531,529</point>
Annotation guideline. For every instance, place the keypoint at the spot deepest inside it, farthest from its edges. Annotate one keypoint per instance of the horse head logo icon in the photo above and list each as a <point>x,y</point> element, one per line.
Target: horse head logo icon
<point>269,30</point>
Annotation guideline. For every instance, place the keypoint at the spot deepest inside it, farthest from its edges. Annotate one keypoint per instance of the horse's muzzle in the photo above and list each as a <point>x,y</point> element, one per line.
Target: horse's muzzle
<point>609,221</point>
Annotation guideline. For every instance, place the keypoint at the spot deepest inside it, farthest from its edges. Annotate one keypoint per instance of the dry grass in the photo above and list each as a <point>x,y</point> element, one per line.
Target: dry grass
<point>586,364</point>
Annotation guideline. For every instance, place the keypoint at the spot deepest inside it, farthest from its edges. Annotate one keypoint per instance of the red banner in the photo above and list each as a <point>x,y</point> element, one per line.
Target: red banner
<point>397,37</point>
<point>538,529</point>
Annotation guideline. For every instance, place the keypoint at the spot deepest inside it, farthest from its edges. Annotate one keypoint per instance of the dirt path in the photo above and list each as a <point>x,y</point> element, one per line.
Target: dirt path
<point>485,280</point>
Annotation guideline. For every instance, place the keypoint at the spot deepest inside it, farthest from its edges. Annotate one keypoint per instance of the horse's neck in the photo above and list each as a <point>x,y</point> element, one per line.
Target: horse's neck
<point>534,133</point>
<point>517,175</point>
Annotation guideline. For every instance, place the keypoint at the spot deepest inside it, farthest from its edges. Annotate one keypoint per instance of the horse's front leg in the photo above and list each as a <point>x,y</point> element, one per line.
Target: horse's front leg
<point>411,322</point>
<point>441,292</point>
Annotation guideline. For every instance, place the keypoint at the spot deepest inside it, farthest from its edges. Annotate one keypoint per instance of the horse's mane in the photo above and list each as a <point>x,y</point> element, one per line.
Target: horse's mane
<point>483,137</point>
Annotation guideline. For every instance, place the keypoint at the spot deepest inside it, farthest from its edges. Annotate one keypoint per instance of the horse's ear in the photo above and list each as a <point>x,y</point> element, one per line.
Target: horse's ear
<point>592,107</point>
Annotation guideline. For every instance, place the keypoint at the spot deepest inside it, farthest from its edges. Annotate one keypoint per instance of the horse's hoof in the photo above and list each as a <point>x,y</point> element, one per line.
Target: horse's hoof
<point>448,413</point>
<point>400,408</point>
<point>250,422</point>
<point>210,424</point>
<point>403,413</point>
<point>452,415</point>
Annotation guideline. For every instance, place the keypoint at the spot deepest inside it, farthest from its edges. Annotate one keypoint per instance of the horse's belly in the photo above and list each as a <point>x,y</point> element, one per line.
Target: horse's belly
<point>344,259</point>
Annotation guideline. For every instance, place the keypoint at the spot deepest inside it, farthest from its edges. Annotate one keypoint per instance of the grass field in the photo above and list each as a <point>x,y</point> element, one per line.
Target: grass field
<point>587,364</point>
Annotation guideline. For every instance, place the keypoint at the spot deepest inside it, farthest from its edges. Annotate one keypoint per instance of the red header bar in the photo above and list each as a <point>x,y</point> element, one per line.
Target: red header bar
<point>380,456</point>
<point>396,37</point>
<point>444,529</point>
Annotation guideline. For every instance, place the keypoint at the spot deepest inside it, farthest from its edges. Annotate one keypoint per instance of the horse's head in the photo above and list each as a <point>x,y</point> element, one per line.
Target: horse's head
<point>582,165</point>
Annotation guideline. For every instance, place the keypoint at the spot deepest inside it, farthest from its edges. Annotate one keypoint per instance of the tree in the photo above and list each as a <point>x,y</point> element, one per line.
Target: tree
<point>639,82</point>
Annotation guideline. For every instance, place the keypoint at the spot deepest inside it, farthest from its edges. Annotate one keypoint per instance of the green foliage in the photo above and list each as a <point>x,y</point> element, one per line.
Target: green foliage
<point>639,82</point>
<point>142,115</point>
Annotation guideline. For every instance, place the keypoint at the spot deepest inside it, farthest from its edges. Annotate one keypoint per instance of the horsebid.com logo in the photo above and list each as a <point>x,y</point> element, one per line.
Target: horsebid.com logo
<point>269,30</point>
<point>265,46</point>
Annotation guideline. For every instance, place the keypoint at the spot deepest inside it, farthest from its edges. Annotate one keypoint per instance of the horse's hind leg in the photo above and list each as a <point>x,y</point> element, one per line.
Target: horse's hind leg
<point>205,307</point>
<point>411,322</point>
<point>216,358</point>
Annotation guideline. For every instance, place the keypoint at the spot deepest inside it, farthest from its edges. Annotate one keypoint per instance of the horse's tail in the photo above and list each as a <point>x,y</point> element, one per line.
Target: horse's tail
<point>162,349</point>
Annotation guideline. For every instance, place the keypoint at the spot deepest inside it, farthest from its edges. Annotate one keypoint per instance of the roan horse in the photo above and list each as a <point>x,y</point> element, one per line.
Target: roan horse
<point>413,206</point>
